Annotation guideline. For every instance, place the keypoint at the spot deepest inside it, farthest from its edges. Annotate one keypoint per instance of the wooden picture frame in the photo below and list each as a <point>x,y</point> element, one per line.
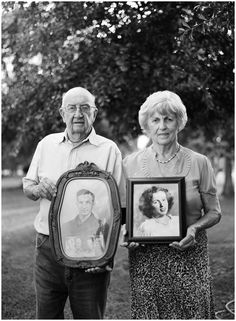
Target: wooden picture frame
<point>156,209</point>
<point>85,218</point>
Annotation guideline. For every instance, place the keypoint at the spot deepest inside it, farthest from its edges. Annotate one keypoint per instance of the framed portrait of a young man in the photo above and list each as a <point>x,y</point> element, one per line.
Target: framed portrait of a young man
<point>156,209</point>
<point>85,217</point>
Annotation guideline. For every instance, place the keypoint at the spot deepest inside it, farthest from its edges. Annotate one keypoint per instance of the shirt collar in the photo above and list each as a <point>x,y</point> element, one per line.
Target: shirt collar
<point>92,138</point>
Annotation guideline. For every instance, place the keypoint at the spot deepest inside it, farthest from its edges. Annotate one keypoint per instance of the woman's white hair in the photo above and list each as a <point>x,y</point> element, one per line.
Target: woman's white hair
<point>165,102</point>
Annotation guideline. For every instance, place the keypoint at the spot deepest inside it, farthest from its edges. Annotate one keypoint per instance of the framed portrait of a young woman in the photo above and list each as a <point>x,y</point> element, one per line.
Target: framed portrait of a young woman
<point>85,217</point>
<point>156,209</point>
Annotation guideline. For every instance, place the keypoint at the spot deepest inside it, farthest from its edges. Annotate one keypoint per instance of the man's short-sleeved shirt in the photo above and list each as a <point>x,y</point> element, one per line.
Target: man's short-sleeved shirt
<point>55,155</point>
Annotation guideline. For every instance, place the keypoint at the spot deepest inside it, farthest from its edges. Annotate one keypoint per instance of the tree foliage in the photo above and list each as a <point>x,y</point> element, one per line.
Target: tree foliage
<point>121,52</point>
<point>208,56</point>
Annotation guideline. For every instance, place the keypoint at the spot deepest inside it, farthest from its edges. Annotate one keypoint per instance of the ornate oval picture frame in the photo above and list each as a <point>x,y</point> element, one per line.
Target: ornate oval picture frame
<point>85,217</point>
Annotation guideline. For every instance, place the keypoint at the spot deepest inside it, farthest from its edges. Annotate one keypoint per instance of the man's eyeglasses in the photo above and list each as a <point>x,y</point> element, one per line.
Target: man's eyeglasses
<point>84,109</point>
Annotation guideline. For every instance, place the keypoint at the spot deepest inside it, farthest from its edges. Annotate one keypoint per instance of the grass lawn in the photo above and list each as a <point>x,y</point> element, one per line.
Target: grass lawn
<point>18,298</point>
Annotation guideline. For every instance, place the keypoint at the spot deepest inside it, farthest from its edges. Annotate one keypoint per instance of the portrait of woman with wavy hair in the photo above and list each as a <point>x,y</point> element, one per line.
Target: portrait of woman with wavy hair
<point>155,204</point>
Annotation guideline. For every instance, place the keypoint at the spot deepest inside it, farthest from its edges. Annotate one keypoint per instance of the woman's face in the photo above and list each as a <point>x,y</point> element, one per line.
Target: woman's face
<point>162,129</point>
<point>159,201</point>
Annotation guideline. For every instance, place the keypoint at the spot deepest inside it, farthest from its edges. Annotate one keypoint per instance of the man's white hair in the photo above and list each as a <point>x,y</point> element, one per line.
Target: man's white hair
<point>77,91</point>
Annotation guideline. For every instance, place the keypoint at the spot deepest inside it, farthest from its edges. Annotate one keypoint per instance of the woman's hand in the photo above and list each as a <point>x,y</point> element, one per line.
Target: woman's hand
<point>125,243</point>
<point>187,241</point>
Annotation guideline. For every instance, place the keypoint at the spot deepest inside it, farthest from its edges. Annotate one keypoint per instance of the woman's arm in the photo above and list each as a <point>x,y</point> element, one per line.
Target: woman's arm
<point>211,207</point>
<point>206,221</point>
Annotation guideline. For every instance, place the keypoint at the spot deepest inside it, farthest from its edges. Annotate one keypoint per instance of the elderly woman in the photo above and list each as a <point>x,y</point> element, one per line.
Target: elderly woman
<point>155,204</point>
<point>173,281</point>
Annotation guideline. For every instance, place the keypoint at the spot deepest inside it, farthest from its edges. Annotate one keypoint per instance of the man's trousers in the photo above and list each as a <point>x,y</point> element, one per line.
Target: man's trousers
<point>54,283</point>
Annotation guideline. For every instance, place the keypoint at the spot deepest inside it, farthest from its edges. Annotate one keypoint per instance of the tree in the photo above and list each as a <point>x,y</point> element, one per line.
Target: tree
<point>122,52</point>
<point>207,35</point>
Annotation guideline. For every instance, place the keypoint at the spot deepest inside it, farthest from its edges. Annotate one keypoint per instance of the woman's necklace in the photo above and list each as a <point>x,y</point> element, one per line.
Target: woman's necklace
<point>168,160</point>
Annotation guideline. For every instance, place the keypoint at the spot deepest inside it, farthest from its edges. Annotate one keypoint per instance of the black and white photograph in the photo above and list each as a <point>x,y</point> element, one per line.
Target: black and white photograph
<point>85,217</point>
<point>156,210</point>
<point>118,160</point>
<point>85,233</point>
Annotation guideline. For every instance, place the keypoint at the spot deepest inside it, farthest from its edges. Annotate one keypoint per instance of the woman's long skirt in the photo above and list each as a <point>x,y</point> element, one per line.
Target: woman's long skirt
<point>169,284</point>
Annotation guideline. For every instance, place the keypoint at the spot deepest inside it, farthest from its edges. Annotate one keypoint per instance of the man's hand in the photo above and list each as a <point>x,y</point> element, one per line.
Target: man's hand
<point>124,243</point>
<point>45,189</point>
<point>99,269</point>
<point>187,241</point>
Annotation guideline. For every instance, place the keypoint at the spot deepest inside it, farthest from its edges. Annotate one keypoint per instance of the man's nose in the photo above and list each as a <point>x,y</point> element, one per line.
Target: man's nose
<point>78,112</point>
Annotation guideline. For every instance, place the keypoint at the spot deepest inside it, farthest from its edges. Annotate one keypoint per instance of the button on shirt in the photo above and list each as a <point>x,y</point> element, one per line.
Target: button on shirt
<point>55,155</point>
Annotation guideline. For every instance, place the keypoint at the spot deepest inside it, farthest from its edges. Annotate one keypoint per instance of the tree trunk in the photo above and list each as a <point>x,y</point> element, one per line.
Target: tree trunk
<point>228,189</point>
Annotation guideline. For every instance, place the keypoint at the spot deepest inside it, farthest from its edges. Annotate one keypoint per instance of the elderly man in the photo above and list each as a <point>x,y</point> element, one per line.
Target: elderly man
<point>54,155</point>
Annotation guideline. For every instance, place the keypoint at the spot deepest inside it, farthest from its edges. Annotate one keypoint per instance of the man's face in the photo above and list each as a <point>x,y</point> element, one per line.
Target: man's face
<point>78,122</point>
<point>85,204</point>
